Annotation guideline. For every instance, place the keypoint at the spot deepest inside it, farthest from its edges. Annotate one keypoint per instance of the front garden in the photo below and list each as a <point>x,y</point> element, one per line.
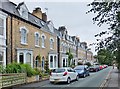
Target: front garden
<point>30,74</point>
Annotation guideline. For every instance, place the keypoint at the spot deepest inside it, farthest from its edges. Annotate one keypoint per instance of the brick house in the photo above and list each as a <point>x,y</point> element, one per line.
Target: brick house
<point>27,36</point>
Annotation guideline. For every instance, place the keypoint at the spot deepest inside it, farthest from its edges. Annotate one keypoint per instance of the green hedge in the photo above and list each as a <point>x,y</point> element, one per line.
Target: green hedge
<point>19,68</point>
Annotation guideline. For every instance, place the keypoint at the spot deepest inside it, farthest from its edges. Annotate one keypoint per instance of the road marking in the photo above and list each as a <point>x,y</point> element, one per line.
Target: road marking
<point>106,79</point>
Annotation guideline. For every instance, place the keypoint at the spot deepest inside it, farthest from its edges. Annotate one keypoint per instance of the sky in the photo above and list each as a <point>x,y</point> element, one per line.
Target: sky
<point>72,15</point>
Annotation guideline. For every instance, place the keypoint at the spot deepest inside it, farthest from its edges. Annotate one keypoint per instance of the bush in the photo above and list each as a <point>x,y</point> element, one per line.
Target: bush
<point>13,68</point>
<point>20,68</point>
<point>2,69</point>
<point>27,69</point>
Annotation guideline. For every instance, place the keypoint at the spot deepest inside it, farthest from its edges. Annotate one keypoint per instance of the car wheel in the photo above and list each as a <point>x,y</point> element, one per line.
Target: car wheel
<point>88,74</point>
<point>51,82</point>
<point>68,80</point>
<point>77,78</point>
<point>96,70</point>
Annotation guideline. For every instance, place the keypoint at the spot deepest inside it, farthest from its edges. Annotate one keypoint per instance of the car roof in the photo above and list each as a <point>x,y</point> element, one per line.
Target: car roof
<point>63,68</point>
<point>82,66</point>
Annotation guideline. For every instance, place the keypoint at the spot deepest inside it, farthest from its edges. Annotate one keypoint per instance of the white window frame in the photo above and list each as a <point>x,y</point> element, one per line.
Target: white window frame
<point>25,38</point>
<point>51,43</point>
<point>37,39</point>
<point>43,40</point>
<point>24,51</point>
<point>2,61</point>
<point>27,58</point>
<point>3,16</point>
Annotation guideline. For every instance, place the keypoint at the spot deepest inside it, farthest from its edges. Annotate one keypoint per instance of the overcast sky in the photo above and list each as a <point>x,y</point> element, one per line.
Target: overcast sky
<point>69,13</point>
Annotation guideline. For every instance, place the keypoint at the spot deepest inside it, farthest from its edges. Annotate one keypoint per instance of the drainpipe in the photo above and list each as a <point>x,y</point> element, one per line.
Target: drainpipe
<point>11,39</point>
<point>6,41</point>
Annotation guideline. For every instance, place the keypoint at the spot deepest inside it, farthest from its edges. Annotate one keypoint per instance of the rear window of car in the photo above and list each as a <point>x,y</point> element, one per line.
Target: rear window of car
<point>58,70</point>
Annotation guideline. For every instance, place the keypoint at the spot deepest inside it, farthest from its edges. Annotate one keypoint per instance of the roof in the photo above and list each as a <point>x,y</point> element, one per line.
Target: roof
<point>11,8</point>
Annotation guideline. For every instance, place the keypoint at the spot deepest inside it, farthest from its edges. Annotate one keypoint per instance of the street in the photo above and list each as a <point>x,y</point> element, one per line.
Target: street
<point>94,80</point>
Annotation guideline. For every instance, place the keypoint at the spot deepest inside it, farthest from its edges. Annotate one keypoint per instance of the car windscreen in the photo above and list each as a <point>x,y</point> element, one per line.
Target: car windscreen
<point>58,70</point>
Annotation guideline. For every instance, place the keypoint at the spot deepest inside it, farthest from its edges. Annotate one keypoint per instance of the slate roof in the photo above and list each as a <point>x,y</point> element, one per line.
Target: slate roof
<point>11,8</point>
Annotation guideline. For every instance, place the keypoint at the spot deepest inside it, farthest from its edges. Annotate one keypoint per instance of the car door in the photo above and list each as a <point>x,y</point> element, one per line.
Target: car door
<point>74,73</point>
<point>71,73</point>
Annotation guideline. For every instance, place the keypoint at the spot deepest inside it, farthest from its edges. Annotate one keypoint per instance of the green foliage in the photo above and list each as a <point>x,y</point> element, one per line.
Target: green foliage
<point>20,68</point>
<point>70,56</point>
<point>105,57</point>
<point>47,67</point>
<point>2,69</point>
<point>107,12</point>
<point>13,68</point>
<point>27,69</point>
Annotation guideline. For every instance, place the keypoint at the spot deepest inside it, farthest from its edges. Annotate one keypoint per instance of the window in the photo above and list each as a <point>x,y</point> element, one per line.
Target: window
<point>51,61</point>
<point>55,62</point>
<point>21,58</point>
<point>36,62</point>
<point>43,41</point>
<point>64,63</point>
<point>42,65</point>
<point>23,35</point>
<point>37,39</point>
<point>24,13</point>
<point>1,58</point>
<point>1,26</point>
<point>51,44</point>
<point>28,58</point>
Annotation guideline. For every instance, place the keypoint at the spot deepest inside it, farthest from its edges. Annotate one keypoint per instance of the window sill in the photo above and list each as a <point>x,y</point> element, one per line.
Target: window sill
<point>24,43</point>
<point>43,47</point>
<point>37,46</point>
<point>51,49</point>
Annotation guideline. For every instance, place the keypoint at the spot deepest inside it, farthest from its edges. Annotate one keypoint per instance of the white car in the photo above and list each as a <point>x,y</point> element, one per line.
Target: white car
<point>66,74</point>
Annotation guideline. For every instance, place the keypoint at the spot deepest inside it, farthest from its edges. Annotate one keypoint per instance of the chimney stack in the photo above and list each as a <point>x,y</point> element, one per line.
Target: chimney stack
<point>37,12</point>
<point>44,17</point>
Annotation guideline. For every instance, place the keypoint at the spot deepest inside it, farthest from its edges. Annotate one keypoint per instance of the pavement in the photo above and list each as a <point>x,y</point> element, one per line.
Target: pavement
<point>114,79</point>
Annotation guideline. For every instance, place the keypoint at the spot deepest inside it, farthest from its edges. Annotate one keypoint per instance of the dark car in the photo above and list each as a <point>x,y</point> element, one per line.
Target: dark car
<point>82,70</point>
<point>94,68</point>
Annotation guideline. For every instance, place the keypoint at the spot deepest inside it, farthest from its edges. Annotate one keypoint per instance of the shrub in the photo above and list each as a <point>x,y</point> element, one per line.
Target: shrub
<point>27,69</point>
<point>13,68</point>
<point>2,69</point>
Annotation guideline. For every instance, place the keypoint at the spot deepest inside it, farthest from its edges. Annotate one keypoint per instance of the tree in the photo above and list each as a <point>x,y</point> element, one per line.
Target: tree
<point>108,12</point>
<point>70,56</point>
<point>104,56</point>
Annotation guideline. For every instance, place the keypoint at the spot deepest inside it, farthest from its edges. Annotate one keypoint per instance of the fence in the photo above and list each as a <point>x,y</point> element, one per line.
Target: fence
<point>7,80</point>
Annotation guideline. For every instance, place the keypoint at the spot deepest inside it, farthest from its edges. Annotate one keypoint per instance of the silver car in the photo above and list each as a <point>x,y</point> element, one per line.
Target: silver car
<point>66,74</point>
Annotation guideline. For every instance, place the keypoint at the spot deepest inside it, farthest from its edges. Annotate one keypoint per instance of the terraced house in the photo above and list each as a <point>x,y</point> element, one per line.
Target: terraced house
<point>27,36</point>
<point>67,43</point>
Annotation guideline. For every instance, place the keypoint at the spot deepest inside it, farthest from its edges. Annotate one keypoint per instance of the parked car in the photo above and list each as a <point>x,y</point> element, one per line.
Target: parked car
<point>66,74</point>
<point>94,68</point>
<point>105,66</point>
<point>101,67</point>
<point>82,70</point>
